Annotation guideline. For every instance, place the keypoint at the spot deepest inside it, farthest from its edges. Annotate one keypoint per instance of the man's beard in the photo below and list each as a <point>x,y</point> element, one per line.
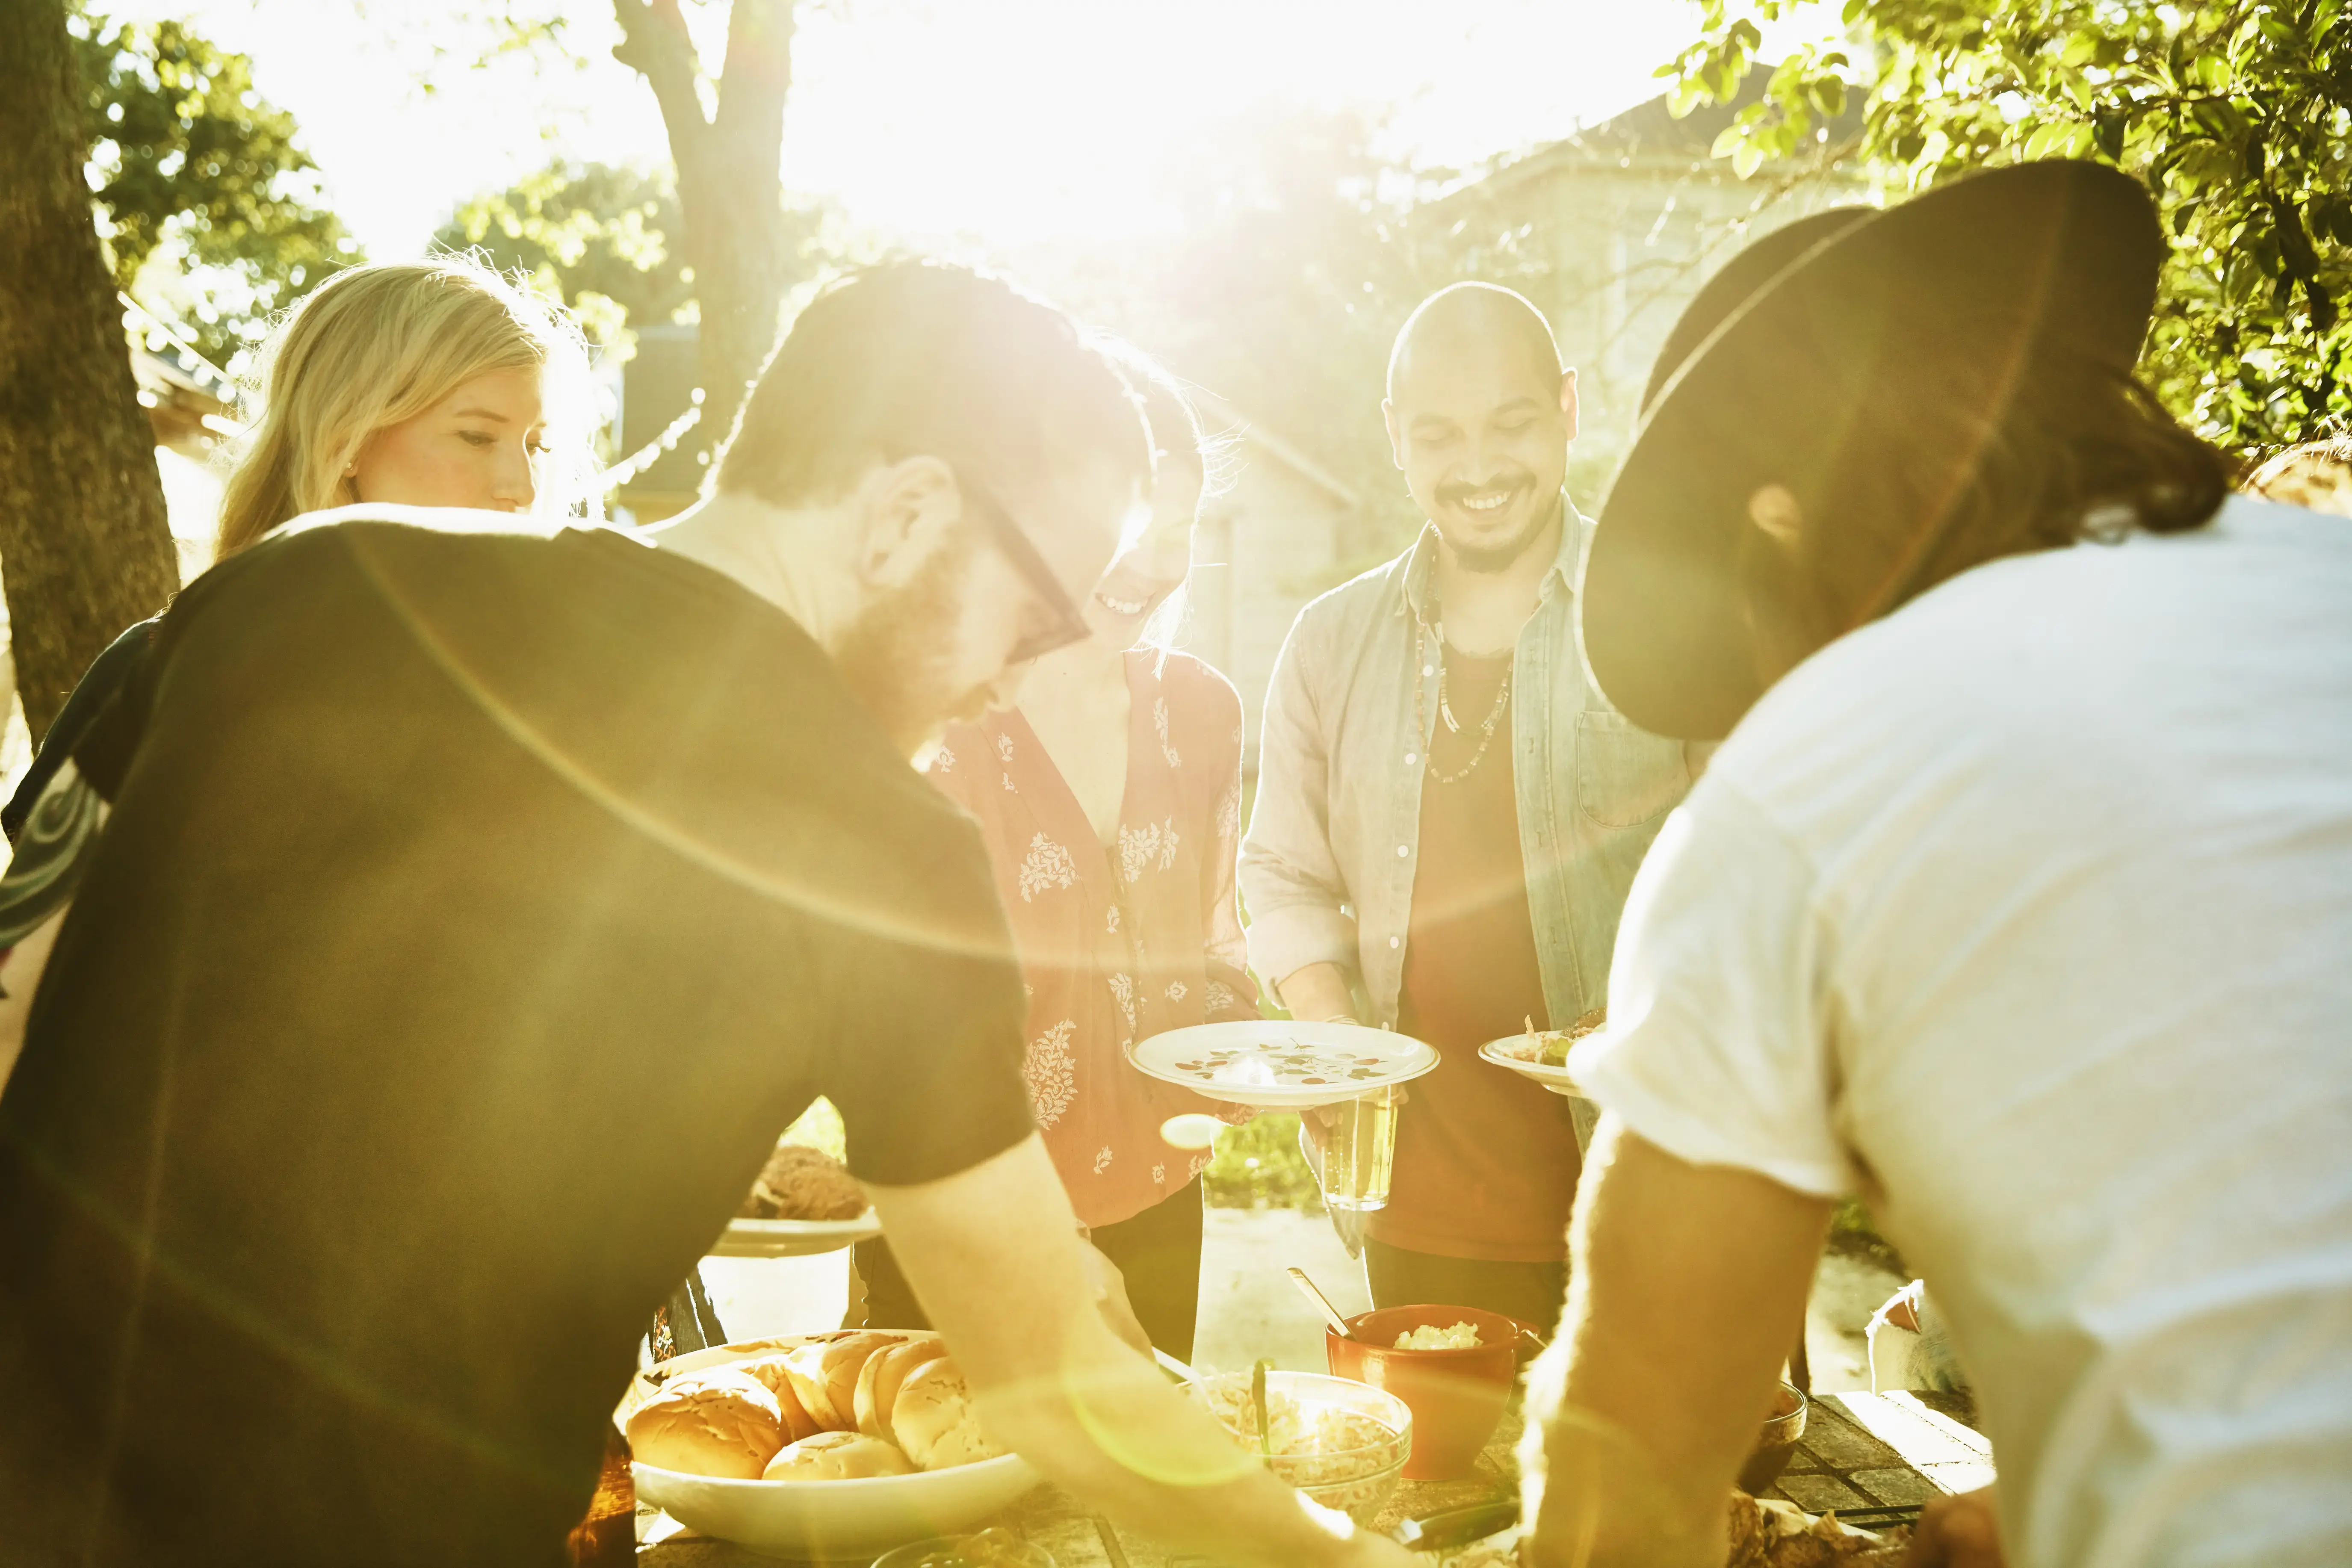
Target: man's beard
<point>1488,559</point>
<point>896,655</point>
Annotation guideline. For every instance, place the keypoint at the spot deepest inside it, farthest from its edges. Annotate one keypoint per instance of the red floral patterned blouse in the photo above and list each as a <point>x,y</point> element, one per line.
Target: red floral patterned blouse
<point>1118,944</point>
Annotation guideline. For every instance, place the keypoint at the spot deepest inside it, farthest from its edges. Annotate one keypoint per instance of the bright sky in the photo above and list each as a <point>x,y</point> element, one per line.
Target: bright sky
<point>1010,122</point>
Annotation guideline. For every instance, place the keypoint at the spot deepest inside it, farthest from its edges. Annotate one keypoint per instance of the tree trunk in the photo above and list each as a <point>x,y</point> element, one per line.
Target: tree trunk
<point>729,181</point>
<point>84,550</point>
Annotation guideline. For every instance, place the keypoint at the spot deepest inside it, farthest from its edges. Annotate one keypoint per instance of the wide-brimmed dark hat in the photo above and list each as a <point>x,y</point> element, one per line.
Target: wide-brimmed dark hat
<point>1772,372</point>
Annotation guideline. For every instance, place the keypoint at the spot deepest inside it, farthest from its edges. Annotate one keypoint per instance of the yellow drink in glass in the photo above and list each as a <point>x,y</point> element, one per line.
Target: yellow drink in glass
<point>1359,1150</point>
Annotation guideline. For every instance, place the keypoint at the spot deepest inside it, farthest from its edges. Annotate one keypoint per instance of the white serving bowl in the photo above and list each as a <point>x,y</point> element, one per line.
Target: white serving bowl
<point>823,1519</point>
<point>1357,1481</point>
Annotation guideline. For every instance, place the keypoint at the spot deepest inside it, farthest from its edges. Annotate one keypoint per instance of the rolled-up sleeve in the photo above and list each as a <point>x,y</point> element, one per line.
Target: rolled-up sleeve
<point>1290,880</point>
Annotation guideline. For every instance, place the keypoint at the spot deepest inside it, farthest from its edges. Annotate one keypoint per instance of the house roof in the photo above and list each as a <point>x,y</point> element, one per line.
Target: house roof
<point>1646,136</point>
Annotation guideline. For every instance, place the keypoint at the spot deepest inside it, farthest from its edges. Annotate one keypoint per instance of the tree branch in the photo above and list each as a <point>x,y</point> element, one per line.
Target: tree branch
<point>2301,261</point>
<point>760,45</point>
<point>655,44</point>
<point>759,76</point>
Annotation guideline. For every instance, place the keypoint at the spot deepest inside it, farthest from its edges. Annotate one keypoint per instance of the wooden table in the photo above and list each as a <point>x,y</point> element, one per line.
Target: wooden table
<point>1859,1450</point>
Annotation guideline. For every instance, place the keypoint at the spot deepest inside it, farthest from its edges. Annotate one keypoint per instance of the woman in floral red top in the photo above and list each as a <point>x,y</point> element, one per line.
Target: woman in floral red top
<point>1110,799</point>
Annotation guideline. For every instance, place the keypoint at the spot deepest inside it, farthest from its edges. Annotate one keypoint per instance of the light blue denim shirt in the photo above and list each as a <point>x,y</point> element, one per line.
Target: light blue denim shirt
<point>1327,867</point>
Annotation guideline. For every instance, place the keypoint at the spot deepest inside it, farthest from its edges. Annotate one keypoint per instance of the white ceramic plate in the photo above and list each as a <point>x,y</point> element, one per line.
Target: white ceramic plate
<point>792,1238</point>
<point>1502,1054</point>
<point>826,1520</point>
<point>1280,1066</point>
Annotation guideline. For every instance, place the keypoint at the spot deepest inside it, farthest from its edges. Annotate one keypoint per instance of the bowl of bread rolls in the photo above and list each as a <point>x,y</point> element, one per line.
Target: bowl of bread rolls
<point>817,1445</point>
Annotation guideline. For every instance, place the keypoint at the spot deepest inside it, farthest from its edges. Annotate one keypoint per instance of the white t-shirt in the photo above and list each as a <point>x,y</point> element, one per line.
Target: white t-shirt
<point>2027,913</point>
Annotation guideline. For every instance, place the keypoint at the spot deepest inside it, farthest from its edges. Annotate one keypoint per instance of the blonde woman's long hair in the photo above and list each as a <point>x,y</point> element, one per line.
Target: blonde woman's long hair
<point>374,346</point>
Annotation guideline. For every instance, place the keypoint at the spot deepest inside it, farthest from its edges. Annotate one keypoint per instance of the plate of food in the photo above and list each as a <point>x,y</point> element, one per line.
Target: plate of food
<point>803,1202</point>
<point>818,1445</point>
<point>1541,1055</point>
<point>1280,1065</point>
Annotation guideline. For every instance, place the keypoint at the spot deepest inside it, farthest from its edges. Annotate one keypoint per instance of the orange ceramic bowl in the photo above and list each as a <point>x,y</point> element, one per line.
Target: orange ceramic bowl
<point>1456,1396</point>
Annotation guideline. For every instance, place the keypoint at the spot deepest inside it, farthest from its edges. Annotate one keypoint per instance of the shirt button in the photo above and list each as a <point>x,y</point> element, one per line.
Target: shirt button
<point>1410,758</point>
<point>1396,942</point>
<point>1403,851</point>
<point>1428,670</point>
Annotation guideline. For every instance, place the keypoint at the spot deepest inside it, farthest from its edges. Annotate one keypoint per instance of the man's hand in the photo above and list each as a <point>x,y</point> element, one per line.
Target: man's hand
<point>1688,1287</point>
<point>1318,994</point>
<point>1962,1531</point>
<point>994,1258</point>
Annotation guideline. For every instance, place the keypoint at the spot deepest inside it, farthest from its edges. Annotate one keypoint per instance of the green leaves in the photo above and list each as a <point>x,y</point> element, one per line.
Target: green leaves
<point>2234,113</point>
<point>602,238</point>
<point>191,167</point>
<point>2062,139</point>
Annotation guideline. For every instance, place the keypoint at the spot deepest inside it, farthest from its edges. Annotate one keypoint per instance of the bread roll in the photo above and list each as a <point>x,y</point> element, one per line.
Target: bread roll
<point>805,1366</point>
<point>842,1360</point>
<point>836,1457</point>
<point>878,1379</point>
<point>771,1372</point>
<point>718,1423</point>
<point>933,1421</point>
<point>817,1368</point>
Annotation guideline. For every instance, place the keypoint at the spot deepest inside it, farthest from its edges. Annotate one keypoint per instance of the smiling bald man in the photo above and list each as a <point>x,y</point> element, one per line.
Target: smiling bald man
<point>1448,817</point>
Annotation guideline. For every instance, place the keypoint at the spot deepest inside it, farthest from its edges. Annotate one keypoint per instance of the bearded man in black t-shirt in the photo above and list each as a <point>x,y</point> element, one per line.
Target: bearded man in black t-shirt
<point>473,906</point>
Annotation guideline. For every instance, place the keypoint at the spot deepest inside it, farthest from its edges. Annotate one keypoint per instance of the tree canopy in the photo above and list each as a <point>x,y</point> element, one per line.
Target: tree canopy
<point>185,155</point>
<point>602,238</point>
<point>2237,116</point>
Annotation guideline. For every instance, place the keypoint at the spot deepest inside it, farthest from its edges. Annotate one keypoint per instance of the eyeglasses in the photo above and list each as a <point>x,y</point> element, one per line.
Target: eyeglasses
<point>1069,621</point>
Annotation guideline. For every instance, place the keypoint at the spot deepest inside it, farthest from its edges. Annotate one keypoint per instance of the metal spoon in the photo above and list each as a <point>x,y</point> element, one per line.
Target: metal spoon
<point>1331,1313</point>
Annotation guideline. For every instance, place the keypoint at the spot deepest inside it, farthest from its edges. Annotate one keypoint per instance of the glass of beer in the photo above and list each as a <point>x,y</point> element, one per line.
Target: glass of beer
<point>1360,1149</point>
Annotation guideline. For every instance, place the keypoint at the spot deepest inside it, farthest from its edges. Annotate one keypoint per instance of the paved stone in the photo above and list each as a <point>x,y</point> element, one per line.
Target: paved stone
<point>1249,1307</point>
<point>1836,1446</point>
<point>1896,1486</point>
<point>1819,1493</point>
<point>1922,1437</point>
<point>1846,1291</point>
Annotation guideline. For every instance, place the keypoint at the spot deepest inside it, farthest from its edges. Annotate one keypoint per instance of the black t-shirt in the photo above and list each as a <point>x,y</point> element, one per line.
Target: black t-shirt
<point>475,911</point>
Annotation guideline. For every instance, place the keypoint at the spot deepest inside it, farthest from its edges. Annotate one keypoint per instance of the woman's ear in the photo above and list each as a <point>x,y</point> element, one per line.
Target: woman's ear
<point>905,511</point>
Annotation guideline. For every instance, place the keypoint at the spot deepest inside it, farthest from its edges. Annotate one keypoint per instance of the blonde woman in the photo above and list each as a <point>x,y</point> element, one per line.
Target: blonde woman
<point>433,382</point>
<point>427,383</point>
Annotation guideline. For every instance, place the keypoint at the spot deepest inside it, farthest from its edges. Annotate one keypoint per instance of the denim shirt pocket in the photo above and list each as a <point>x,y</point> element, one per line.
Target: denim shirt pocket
<point>1625,776</point>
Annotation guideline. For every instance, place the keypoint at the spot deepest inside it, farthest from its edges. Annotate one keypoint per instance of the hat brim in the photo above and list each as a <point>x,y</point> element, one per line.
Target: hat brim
<point>1996,265</point>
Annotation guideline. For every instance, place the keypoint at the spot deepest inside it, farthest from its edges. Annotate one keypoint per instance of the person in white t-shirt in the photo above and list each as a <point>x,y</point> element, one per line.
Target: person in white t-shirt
<point>2018,900</point>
